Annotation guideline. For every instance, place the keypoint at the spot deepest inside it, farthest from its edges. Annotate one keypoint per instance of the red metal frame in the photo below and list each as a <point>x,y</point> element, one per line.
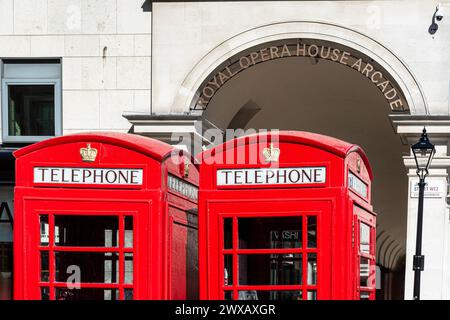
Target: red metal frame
<point>333,202</point>
<point>147,203</point>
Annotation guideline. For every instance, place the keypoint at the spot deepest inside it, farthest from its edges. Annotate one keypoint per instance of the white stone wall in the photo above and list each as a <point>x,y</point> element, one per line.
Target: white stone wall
<point>105,46</point>
<point>185,33</point>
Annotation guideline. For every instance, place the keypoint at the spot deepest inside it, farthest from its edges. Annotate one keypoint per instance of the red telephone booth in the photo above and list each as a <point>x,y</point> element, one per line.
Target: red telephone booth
<point>286,216</point>
<point>105,216</point>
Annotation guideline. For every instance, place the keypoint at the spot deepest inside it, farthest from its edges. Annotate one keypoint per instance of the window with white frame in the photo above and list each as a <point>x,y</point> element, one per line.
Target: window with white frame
<point>31,100</point>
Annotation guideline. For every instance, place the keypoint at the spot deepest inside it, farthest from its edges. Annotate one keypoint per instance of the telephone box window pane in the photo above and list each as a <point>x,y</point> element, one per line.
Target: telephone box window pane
<point>266,233</point>
<point>45,293</point>
<point>31,110</point>
<point>312,268</point>
<point>6,267</point>
<point>270,269</point>
<point>128,268</point>
<point>86,294</point>
<point>312,295</point>
<point>364,231</point>
<point>312,232</point>
<point>45,273</point>
<point>364,295</point>
<point>228,270</point>
<point>228,295</point>
<point>270,295</point>
<point>129,232</point>
<point>44,228</point>
<point>83,231</point>
<point>128,294</point>
<point>364,272</point>
<point>227,233</point>
<point>94,267</point>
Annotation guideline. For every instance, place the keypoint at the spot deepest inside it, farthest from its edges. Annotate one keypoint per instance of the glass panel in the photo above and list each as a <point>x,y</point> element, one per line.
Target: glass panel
<point>270,269</point>
<point>82,231</point>
<point>312,268</point>
<point>312,232</point>
<point>228,295</point>
<point>6,267</point>
<point>312,295</point>
<point>31,110</point>
<point>86,294</point>
<point>228,270</point>
<point>227,233</point>
<point>45,293</point>
<point>265,233</point>
<point>95,267</point>
<point>128,268</point>
<point>129,232</point>
<point>45,273</point>
<point>364,235</point>
<point>364,295</point>
<point>364,272</point>
<point>128,294</point>
<point>270,295</point>
<point>44,229</point>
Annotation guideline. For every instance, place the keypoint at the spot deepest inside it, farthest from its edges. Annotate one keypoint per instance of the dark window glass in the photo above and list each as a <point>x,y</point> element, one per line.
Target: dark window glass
<point>228,269</point>
<point>95,267</point>
<point>270,269</point>
<point>265,233</point>
<point>312,232</point>
<point>86,294</point>
<point>128,294</point>
<point>31,110</point>
<point>45,272</point>
<point>228,295</point>
<point>6,267</point>
<point>82,231</point>
<point>45,293</point>
<point>270,295</point>
<point>227,233</point>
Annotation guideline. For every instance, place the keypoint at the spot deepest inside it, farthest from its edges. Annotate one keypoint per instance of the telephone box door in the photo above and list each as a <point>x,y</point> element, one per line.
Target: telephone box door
<point>83,245</point>
<point>276,250</point>
<point>365,253</point>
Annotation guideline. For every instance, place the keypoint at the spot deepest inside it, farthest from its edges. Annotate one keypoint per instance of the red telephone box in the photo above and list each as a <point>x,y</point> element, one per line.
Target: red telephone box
<point>286,216</point>
<point>105,216</point>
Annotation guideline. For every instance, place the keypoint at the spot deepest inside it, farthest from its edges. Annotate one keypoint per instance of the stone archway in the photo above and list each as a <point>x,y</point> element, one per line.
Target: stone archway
<point>188,94</point>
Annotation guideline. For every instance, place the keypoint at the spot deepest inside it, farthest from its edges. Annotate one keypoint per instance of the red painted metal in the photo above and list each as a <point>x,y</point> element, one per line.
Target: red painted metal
<point>150,210</point>
<point>338,208</point>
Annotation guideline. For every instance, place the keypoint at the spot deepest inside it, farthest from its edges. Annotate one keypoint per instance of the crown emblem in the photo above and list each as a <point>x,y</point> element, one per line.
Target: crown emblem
<point>271,154</point>
<point>88,154</point>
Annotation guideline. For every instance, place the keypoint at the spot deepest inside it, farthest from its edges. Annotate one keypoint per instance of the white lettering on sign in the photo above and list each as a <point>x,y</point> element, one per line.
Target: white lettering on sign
<point>184,188</point>
<point>433,189</point>
<point>102,176</point>
<point>357,185</point>
<point>261,176</point>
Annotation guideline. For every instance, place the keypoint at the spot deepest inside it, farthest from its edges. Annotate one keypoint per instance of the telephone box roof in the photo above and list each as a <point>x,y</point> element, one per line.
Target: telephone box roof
<point>329,144</point>
<point>155,149</point>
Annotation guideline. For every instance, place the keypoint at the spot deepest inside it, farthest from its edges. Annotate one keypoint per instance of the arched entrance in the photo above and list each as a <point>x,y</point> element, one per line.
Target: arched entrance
<point>246,83</point>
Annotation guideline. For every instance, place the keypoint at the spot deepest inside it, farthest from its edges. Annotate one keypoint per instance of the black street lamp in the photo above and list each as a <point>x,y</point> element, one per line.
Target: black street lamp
<point>423,153</point>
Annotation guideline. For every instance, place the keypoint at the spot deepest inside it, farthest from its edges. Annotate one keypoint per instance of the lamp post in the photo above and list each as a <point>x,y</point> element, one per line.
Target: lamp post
<point>423,153</point>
